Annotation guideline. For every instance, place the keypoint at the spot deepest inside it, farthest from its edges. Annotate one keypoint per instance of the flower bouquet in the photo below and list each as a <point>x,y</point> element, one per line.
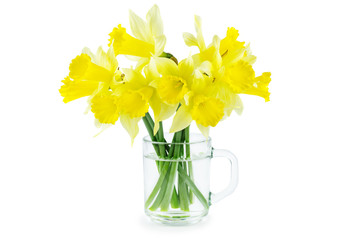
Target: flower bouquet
<point>203,87</point>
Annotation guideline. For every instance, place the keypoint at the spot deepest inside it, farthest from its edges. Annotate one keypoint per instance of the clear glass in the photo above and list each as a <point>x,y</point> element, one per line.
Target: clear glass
<point>177,189</point>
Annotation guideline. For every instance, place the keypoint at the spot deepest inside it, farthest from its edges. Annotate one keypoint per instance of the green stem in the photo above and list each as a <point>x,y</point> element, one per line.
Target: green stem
<point>161,138</point>
<point>190,168</point>
<point>193,187</point>
<point>183,190</point>
<point>187,140</point>
<point>175,199</point>
<point>171,181</point>
<point>164,191</point>
<point>169,188</point>
<point>161,194</point>
<point>153,138</point>
<point>162,168</point>
<point>151,134</point>
<point>158,184</point>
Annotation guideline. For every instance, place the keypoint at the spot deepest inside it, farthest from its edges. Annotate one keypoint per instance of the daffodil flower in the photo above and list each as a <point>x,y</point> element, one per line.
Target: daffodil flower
<point>89,74</point>
<point>148,41</point>
<point>191,88</point>
<point>204,110</point>
<point>128,100</point>
<point>175,79</point>
<point>260,87</point>
<point>228,63</point>
<point>107,108</point>
<point>162,110</point>
<point>98,76</point>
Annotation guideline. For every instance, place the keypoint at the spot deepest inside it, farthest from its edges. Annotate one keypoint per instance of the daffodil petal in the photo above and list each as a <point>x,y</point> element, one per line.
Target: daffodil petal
<point>186,68</point>
<point>139,27</point>
<point>216,42</point>
<point>151,72</point>
<point>88,52</point>
<point>190,40</point>
<point>113,63</point>
<point>135,78</point>
<point>204,130</point>
<point>181,120</point>
<point>167,111</point>
<point>101,58</point>
<point>206,67</point>
<point>154,20</point>
<point>162,111</point>
<point>233,57</point>
<point>141,64</point>
<point>166,66</point>
<point>102,127</point>
<point>107,60</point>
<point>160,43</point>
<point>227,96</point>
<point>208,54</point>
<point>217,59</point>
<point>130,125</point>
<point>239,107</point>
<point>200,37</point>
<point>250,59</point>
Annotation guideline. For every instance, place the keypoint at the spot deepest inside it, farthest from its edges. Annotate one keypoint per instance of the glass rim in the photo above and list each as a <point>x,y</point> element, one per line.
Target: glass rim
<point>203,139</point>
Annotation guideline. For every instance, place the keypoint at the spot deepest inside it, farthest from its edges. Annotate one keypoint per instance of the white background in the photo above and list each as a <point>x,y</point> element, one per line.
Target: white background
<point>298,154</point>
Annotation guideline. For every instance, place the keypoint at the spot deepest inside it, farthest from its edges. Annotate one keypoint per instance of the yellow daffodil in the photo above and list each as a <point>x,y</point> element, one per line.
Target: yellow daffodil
<point>175,79</point>
<point>89,73</point>
<point>106,107</point>
<point>205,111</point>
<point>198,104</point>
<point>128,99</point>
<point>149,39</point>
<point>134,94</point>
<point>228,63</point>
<point>172,83</point>
<point>161,109</point>
<point>96,76</point>
<point>260,87</point>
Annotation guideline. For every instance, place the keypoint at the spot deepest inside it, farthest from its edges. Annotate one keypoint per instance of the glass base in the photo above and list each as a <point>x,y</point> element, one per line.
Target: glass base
<point>176,218</point>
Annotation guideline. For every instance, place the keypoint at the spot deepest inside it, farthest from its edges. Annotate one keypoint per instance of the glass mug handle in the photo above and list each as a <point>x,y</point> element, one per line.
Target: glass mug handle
<point>234,178</point>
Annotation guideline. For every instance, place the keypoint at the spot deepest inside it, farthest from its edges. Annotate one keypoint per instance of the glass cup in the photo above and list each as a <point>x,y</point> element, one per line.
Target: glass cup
<point>177,182</point>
